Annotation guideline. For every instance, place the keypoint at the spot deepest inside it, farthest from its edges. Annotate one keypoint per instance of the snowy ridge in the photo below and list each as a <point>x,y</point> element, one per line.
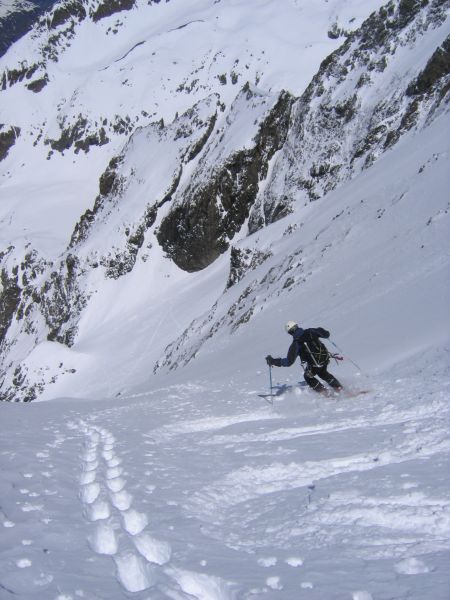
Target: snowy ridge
<point>363,99</point>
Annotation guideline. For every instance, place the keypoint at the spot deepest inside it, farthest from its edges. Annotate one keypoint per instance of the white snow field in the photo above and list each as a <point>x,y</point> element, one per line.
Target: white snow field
<point>190,486</point>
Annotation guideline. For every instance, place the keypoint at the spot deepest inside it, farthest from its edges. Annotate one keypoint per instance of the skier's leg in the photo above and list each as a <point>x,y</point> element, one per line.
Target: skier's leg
<point>329,378</point>
<point>312,381</point>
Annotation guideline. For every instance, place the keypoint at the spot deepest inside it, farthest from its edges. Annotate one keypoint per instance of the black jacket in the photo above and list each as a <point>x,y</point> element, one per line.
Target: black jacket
<point>303,344</point>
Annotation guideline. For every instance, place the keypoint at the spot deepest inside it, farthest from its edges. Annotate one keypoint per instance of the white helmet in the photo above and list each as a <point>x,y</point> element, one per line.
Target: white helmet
<point>290,326</point>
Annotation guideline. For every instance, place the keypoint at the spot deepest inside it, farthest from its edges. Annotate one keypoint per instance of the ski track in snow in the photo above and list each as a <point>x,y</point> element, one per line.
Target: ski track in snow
<point>401,521</point>
<point>269,492</point>
<point>121,532</point>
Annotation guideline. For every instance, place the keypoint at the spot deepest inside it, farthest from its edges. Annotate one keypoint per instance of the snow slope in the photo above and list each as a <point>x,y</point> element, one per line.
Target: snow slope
<point>190,486</point>
<point>199,489</point>
<point>79,94</point>
<point>157,471</point>
<point>372,254</point>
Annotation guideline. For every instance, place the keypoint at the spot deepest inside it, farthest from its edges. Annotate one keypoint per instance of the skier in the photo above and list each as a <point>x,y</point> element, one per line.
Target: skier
<point>313,354</point>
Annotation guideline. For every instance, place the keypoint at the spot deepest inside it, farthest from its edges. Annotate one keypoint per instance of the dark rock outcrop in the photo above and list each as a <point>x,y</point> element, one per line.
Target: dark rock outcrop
<point>212,211</point>
<point>438,68</point>
<point>110,183</point>
<point>9,300</point>
<point>62,301</point>
<point>66,11</point>
<point>80,135</point>
<point>121,262</point>
<point>23,71</point>
<point>244,260</point>
<point>8,137</point>
<point>38,85</point>
<point>110,7</point>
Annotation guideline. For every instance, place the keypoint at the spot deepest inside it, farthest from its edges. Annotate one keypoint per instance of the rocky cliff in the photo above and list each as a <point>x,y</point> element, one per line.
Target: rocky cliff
<point>390,77</point>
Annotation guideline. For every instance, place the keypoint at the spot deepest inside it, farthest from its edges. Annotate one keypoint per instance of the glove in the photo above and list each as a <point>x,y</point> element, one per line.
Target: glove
<point>269,360</point>
<point>308,372</point>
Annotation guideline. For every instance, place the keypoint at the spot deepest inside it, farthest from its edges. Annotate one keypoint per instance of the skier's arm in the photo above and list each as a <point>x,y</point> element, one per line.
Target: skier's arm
<point>319,331</point>
<point>290,358</point>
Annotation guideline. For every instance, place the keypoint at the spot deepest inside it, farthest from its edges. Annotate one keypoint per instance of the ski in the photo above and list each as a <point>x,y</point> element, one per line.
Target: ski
<point>343,393</point>
<point>354,394</point>
<point>280,389</point>
<point>329,393</point>
<point>267,397</point>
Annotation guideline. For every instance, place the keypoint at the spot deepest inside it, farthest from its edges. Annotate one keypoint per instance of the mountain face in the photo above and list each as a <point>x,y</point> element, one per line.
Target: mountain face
<point>214,205</point>
<point>360,103</point>
<point>17,18</point>
<point>125,165</point>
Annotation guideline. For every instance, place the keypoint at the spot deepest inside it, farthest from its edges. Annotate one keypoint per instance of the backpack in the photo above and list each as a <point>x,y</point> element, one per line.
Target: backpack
<point>316,352</point>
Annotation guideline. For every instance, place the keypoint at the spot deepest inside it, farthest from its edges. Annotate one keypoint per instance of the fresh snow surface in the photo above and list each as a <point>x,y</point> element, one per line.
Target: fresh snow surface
<point>202,490</point>
<point>189,485</point>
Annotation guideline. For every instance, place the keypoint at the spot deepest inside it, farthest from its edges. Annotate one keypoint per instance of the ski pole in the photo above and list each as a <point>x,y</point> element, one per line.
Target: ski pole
<point>353,362</point>
<point>270,378</point>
